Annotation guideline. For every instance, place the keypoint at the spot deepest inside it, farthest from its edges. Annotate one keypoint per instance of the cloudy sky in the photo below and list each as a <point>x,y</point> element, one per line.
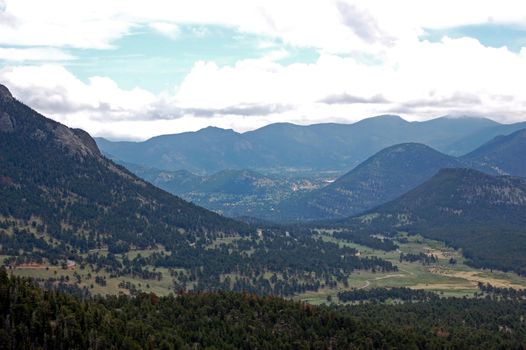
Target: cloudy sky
<point>127,69</point>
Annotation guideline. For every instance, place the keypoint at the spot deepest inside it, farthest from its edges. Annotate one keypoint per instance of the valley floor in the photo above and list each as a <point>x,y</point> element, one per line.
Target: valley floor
<point>442,277</point>
<point>447,279</point>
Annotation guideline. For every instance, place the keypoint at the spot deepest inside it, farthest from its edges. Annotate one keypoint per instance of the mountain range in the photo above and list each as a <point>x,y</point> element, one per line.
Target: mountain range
<point>396,170</point>
<point>75,199</point>
<point>284,147</point>
<point>380,178</point>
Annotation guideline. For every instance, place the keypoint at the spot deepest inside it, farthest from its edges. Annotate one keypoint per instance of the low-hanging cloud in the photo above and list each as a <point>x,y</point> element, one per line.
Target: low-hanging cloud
<point>457,100</point>
<point>351,99</point>
<point>251,109</point>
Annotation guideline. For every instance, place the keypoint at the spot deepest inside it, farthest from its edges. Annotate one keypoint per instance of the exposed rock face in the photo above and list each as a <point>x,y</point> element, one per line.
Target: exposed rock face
<point>88,141</point>
<point>5,94</point>
<point>74,143</point>
<point>6,123</point>
<point>77,141</point>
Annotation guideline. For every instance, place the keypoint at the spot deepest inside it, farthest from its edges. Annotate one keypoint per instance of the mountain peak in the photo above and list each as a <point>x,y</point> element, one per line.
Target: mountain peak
<point>389,118</point>
<point>214,130</point>
<point>5,94</point>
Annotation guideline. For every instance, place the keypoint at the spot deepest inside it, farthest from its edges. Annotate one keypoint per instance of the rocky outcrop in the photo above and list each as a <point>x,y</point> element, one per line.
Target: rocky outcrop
<point>5,94</point>
<point>70,139</point>
<point>7,124</point>
<point>87,140</point>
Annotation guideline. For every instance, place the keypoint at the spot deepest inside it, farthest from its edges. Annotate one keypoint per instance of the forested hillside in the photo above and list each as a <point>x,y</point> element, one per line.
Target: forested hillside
<point>383,177</point>
<point>482,214</point>
<point>234,193</point>
<point>54,180</point>
<point>506,154</point>
<point>32,318</point>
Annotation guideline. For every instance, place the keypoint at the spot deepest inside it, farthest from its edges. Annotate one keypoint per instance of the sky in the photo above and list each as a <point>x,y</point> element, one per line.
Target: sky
<point>126,69</point>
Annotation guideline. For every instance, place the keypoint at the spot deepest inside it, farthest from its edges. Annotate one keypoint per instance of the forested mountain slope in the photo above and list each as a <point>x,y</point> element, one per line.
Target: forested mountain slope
<point>54,179</point>
<point>383,177</point>
<point>506,154</point>
<point>482,214</point>
<point>32,318</point>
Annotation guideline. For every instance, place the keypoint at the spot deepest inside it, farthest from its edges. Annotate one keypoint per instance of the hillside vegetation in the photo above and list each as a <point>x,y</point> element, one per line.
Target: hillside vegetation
<point>482,214</point>
<point>33,318</point>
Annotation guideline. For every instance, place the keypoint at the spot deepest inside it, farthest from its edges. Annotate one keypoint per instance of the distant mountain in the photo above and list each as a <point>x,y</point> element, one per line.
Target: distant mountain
<point>506,154</point>
<point>482,214</point>
<point>235,193</point>
<point>55,183</point>
<point>208,150</point>
<point>175,182</point>
<point>478,138</point>
<point>292,148</point>
<point>383,177</point>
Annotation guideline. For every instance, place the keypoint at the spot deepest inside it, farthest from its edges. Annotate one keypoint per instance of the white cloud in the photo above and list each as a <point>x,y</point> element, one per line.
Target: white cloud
<point>34,54</point>
<point>332,26</point>
<point>54,91</point>
<point>418,79</point>
<point>169,30</point>
<point>277,55</point>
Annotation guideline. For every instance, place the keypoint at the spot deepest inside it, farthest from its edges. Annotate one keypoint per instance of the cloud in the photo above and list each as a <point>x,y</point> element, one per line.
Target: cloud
<point>34,54</point>
<point>331,26</point>
<point>170,30</point>
<point>277,55</point>
<point>76,24</point>
<point>455,100</point>
<point>350,99</point>
<point>420,79</point>
<point>361,23</point>
<point>54,91</point>
<point>241,110</point>
<point>6,19</point>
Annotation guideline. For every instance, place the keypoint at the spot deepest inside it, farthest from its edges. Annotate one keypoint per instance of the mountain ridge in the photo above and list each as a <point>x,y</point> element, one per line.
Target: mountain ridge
<point>289,147</point>
<point>505,153</point>
<point>74,194</point>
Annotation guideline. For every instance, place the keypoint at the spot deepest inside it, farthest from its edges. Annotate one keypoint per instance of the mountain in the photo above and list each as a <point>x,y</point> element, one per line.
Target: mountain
<point>55,184</point>
<point>506,154</point>
<point>477,138</point>
<point>482,214</point>
<point>63,203</point>
<point>175,182</point>
<point>208,150</point>
<point>234,193</point>
<point>285,147</point>
<point>383,177</point>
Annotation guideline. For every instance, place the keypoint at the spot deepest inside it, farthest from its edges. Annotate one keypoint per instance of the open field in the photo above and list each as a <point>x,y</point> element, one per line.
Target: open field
<point>88,275</point>
<point>444,278</point>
